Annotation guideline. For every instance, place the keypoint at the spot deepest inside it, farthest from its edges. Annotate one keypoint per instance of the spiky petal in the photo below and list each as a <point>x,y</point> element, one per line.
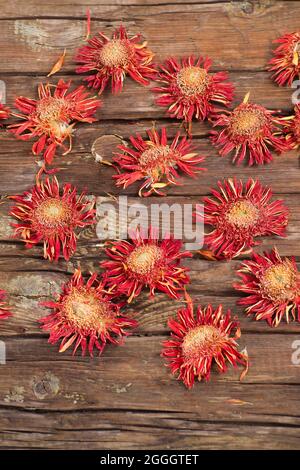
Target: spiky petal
<point>189,90</point>
<point>108,59</point>
<point>272,285</point>
<point>146,261</point>
<point>86,316</point>
<point>291,128</point>
<point>51,118</point>
<point>4,112</point>
<point>285,64</point>
<point>250,132</point>
<point>156,162</point>
<point>4,309</point>
<point>51,216</point>
<point>199,340</point>
<point>239,213</point>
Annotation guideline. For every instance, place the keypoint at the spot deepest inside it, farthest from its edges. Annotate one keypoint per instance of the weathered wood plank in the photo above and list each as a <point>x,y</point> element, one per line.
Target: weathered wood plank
<point>31,281</point>
<point>137,102</point>
<point>152,314</point>
<point>240,32</point>
<point>100,8</point>
<point>137,430</point>
<point>90,244</point>
<point>18,168</point>
<point>127,399</point>
<point>37,377</point>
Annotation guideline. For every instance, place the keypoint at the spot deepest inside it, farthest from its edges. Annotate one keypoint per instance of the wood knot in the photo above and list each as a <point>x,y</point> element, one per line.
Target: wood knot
<point>46,386</point>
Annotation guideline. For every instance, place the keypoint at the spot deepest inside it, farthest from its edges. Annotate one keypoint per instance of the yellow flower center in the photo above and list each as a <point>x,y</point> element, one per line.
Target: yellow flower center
<point>280,282</point>
<point>53,213</point>
<point>201,340</point>
<point>84,310</point>
<point>53,116</point>
<point>247,121</point>
<point>192,80</point>
<point>156,159</point>
<point>143,259</point>
<point>114,53</point>
<point>242,214</point>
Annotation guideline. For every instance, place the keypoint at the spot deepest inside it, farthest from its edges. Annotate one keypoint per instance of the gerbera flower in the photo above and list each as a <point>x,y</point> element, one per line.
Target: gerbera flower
<point>86,316</point>
<point>272,285</point>
<point>285,63</point>
<point>189,90</point>
<point>4,309</point>
<point>141,261</point>
<point>50,119</point>
<point>155,162</point>
<point>198,341</point>
<point>250,130</point>
<point>4,112</point>
<point>48,216</point>
<point>112,59</point>
<point>240,212</point>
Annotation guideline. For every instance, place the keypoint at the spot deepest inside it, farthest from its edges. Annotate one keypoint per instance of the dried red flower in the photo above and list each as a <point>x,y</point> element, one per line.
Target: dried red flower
<point>4,309</point>
<point>238,214</point>
<point>4,112</point>
<point>86,316</point>
<point>285,63</point>
<point>146,261</point>
<point>291,128</point>
<point>155,162</point>
<point>112,59</point>
<point>47,216</point>
<point>189,90</point>
<point>52,117</point>
<point>199,341</point>
<point>272,285</point>
<point>250,130</point>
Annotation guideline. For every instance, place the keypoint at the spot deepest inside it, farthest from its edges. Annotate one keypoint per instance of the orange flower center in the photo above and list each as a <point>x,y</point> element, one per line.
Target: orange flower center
<point>192,80</point>
<point>280,283</point>
<point>53,115</point>
<point>156,159</point>
<point>201,341</point>
<point>84,310</point>
<point>143,259</point>
<point>247,121</point>
<point>242,214</point>
<point>53,213</point>
<point>115,53</point>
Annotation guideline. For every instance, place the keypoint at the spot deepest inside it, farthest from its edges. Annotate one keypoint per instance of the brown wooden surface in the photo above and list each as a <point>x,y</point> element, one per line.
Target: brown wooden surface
<point>127,399</point>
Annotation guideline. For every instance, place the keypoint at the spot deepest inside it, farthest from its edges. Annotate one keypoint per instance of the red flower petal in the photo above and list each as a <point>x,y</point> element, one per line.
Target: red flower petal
<point>291,128</point>
<point>188,89</point>
<point>142,261</point>
<point>112,59</point>
<point>86,316</point>
<point>285,64</point>
<point>155,162</point>
<point>272,285</point>
<point>238,214</point>
<point>50,119</point>
<point>4,112</point>
<point>250,131</point>
<point>200,340</point>
<point>48,216</point>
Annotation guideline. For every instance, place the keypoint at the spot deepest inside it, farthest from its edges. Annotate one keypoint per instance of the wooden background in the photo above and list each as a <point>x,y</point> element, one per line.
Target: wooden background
<point>127,399</point>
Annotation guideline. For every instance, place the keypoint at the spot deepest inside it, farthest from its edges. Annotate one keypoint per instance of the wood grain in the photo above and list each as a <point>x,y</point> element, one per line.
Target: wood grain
<point>19,166</point>
<point>127,399</point>
<point>234,34</point>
